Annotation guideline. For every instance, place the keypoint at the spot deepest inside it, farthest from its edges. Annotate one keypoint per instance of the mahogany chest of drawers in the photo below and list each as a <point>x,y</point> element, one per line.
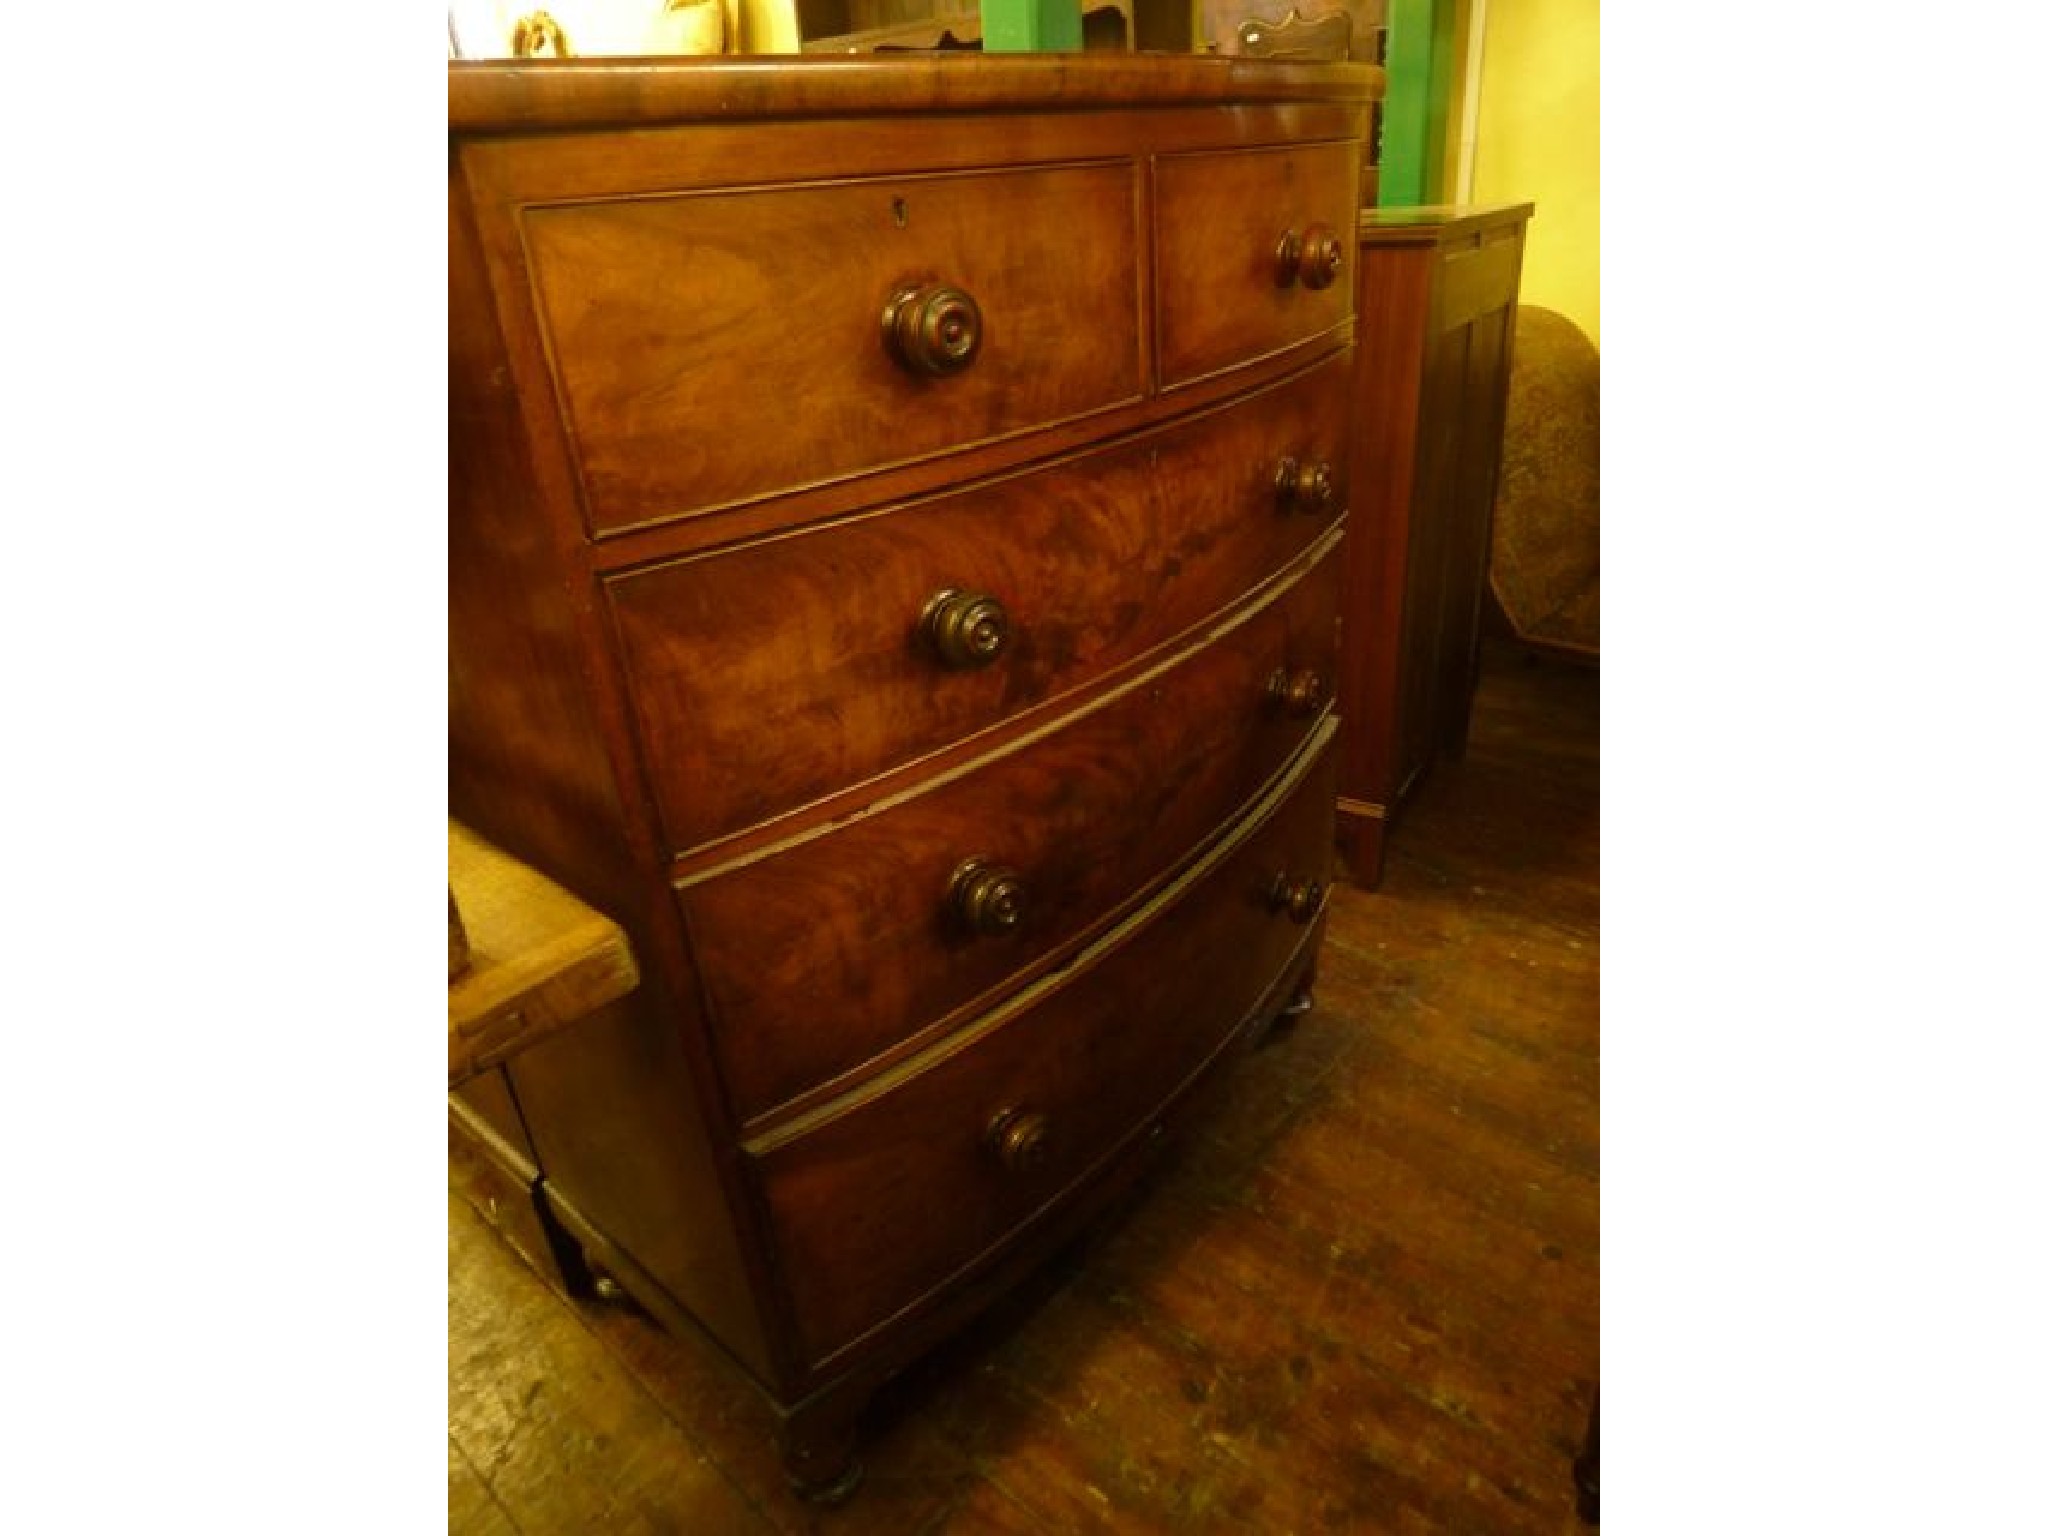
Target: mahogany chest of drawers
<point>895,518</point>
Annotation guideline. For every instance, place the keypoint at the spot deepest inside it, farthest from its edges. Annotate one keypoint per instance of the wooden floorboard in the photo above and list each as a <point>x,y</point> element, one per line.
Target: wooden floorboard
<point>1364,1298</point>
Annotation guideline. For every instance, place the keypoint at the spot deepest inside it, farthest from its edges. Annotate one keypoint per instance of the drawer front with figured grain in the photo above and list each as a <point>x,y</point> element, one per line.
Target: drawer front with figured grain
<point>1254,253</point>
<point>907,915</point>
<point>818,660</point>
<point>715,347</point>
<point>874,1208</point>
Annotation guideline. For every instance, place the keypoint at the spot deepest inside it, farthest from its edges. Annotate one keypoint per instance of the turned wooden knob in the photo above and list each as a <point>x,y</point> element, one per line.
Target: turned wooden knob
<point>986,899</point>
<point>1322,256</point>
<point>932,329</point>
<point>1019,1139</point>
<point>1314,257</point>
<point>964,629</point>
<point>1298,693</point>
<point>1296,895</point>
<point>1307,485</point>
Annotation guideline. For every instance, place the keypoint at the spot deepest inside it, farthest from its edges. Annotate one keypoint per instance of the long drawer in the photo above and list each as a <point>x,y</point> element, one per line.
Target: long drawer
<point>819,660</point>
<point>713,347</point>
<point>874,1207</point>
<point>901,917</point>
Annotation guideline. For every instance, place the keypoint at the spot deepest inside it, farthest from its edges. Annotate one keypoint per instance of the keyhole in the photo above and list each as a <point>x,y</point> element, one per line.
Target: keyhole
<point>901,211</point>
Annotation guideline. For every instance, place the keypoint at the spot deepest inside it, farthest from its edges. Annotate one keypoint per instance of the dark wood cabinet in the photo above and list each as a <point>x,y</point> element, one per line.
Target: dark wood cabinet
<point>897,512</point>
<point>1436,293</point>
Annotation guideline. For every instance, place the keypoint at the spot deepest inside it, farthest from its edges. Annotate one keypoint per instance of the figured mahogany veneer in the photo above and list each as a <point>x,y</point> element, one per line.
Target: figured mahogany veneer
<point>1250,223</point>
<point>1088,816</point>
<point>654,307</point>
<point>897,521</point>
<point>1092,1053</point>
<point>1095,562</point>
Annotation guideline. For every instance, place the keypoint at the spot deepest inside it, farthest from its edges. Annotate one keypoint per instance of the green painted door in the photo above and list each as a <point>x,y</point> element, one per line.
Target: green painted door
<point>1421,44</point>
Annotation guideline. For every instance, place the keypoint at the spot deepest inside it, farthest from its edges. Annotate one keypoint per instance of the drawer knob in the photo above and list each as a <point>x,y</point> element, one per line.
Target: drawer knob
<point>1314,257</point>
<point>1297,896</point>
<point>988,899</point>
<point>965,629</point>
<point>1322,257</point>
<point>932,329</point>
<point>1305,485</point>
<point>1298,693</point>
<point>1019,1139</point>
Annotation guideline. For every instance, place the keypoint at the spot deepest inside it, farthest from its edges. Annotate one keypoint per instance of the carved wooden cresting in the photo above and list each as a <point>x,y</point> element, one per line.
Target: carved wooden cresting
<point>895,518</point>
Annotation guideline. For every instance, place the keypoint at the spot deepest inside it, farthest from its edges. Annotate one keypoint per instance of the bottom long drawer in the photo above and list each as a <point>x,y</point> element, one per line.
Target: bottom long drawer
<point>875,1205</point>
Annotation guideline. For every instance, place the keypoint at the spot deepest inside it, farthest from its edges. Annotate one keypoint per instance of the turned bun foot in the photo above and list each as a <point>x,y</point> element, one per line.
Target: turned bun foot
<point>831,1492</point>
<point>818,1446</point>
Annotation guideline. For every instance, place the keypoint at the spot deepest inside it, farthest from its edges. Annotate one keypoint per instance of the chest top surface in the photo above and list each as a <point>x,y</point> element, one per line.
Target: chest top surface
<point>488,96</point>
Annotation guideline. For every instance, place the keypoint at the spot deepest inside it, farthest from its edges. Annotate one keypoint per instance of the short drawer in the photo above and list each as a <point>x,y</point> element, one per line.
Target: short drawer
<point>813,660</point>
<point>1228,291</point>
<point>710,348</point>
<point>875,1208</point>
<point>912,913</point>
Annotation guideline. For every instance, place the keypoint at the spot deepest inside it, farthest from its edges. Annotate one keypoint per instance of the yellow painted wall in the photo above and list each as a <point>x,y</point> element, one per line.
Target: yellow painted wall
<point>597,28</point>
<point>768,26</point>
<point>1539,141</point>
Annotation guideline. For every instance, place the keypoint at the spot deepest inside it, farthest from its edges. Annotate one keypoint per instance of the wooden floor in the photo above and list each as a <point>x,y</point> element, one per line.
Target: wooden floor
<point>1367,1300</point>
